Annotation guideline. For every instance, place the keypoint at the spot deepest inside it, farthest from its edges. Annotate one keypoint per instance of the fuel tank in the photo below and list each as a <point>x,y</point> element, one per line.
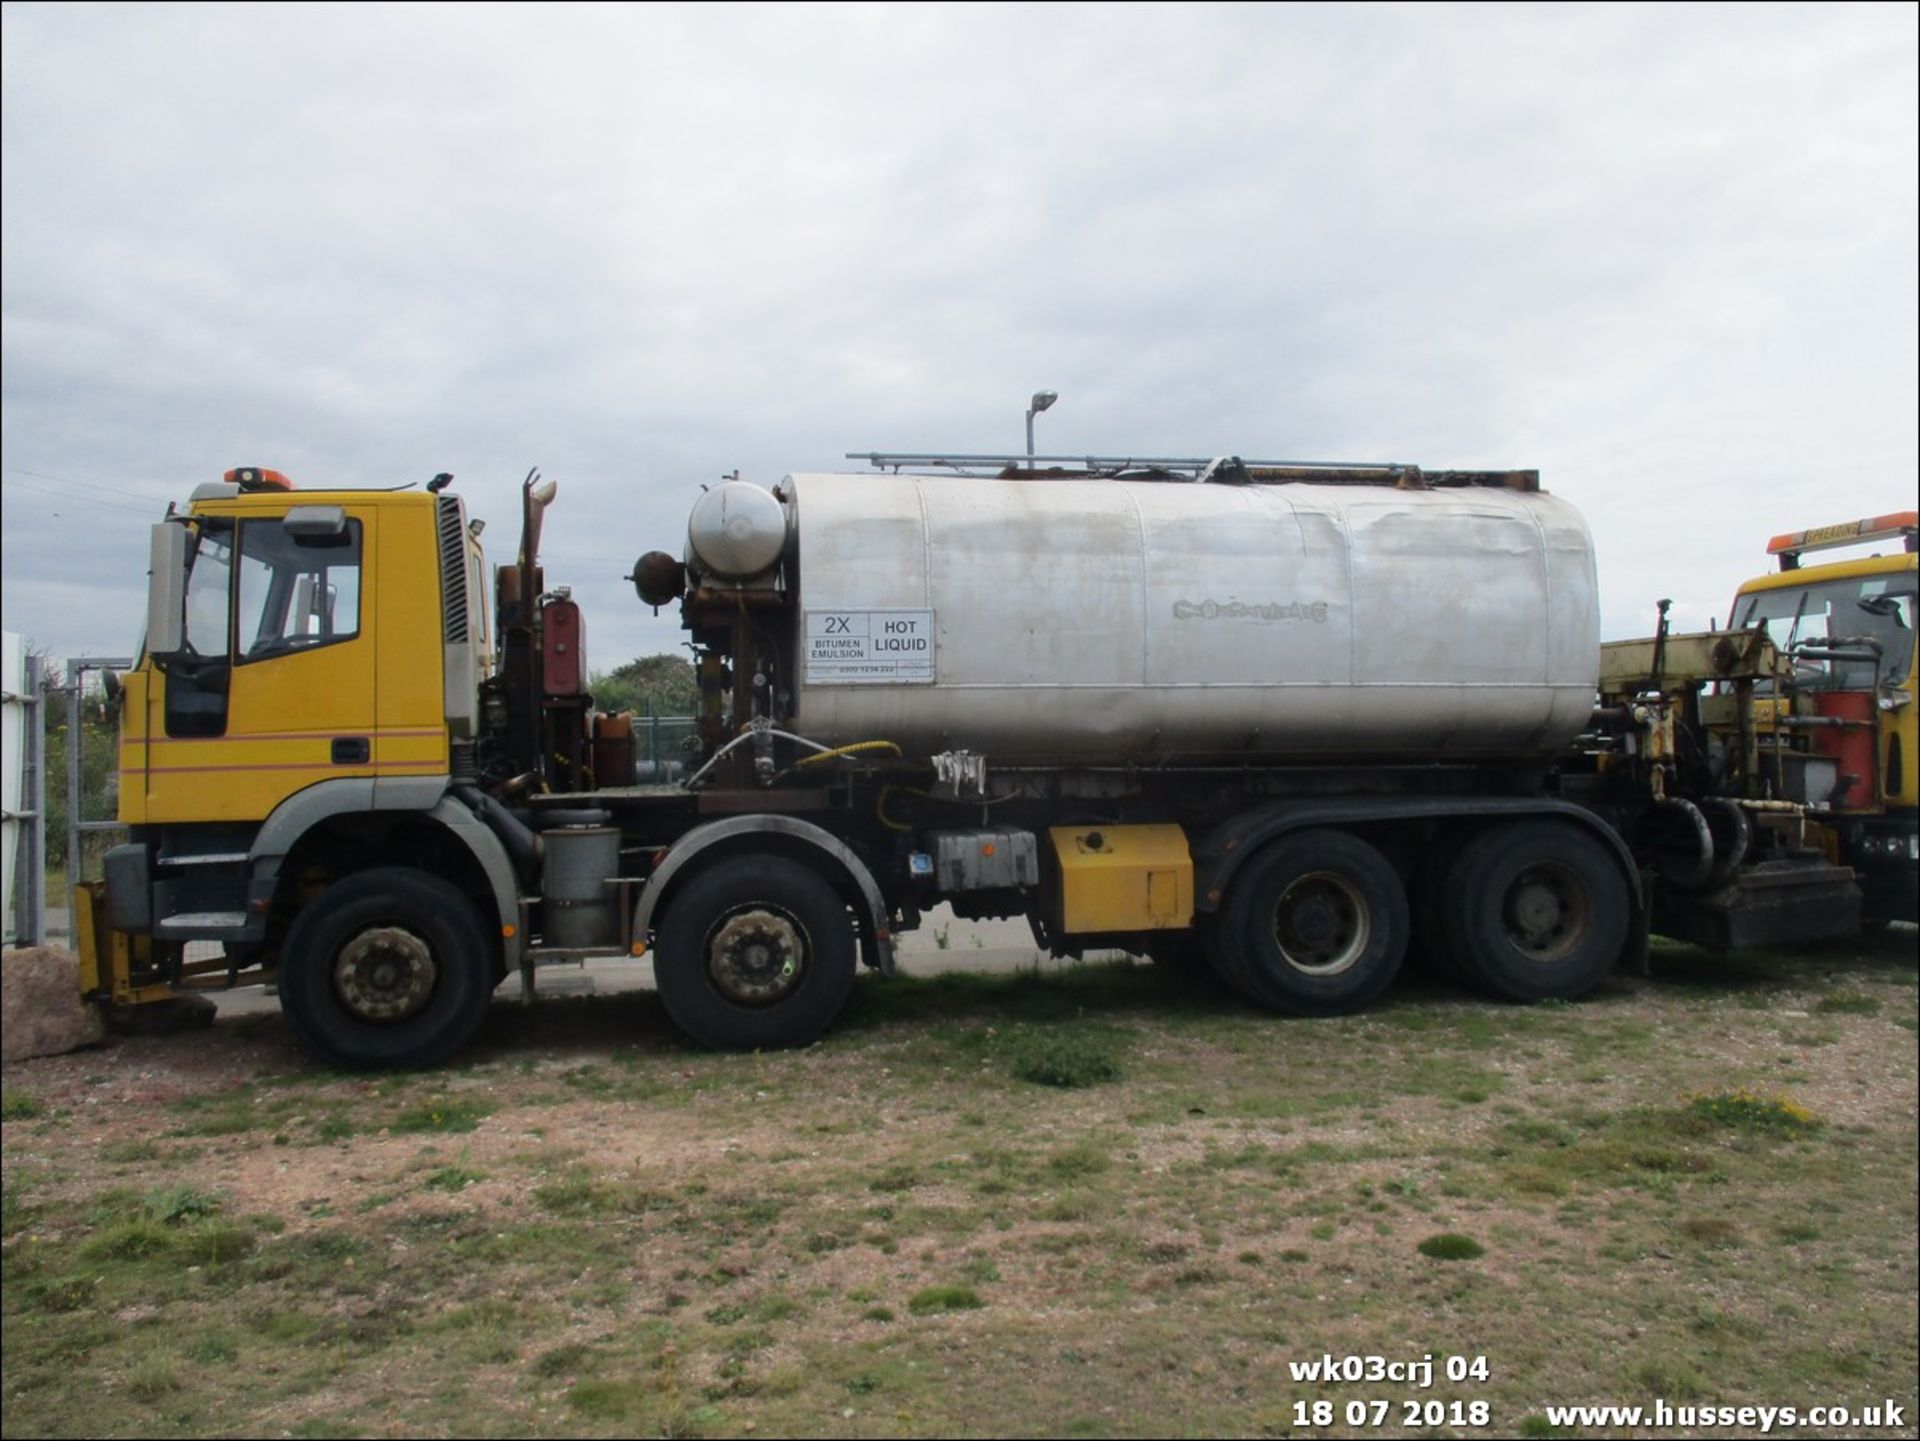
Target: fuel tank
<point>1109,621</point>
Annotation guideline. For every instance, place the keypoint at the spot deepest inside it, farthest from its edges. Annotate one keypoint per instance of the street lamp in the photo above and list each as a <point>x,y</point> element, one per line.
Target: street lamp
<point>1041,400</point>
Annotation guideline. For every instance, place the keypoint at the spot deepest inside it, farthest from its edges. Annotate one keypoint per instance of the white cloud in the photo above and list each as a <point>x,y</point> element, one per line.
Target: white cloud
<point>1667,255</point>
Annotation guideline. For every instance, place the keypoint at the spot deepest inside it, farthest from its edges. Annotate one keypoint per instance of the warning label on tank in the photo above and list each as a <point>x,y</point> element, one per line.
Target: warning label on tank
<point>869,647</point>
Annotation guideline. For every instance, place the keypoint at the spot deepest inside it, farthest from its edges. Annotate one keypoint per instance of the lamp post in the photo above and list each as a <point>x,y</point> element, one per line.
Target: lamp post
<point>1041,400</point>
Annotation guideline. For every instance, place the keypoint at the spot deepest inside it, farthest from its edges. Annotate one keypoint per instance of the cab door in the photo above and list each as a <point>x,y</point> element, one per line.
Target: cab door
<point>290,700</point>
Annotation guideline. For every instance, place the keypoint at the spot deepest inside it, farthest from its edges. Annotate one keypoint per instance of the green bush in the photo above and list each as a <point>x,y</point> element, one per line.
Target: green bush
<point>945,1298</point>
<point>1452,1246</point>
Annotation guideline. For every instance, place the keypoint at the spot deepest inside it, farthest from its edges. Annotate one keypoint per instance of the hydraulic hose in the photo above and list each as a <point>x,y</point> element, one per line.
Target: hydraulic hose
<point>522,845</point>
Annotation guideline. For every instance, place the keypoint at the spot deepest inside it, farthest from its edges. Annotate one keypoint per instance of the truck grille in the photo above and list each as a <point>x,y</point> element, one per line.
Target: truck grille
<point>453,570</point>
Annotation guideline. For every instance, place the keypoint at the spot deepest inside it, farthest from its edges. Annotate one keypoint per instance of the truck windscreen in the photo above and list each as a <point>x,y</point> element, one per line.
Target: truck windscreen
<point>1827,614</point>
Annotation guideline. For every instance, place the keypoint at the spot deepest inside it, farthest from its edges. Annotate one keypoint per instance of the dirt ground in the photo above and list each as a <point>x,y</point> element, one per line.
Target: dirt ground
<point>1097,1199</point>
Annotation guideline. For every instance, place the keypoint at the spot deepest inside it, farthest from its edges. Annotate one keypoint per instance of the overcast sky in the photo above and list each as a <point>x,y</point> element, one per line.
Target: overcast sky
<point>1665,255</point>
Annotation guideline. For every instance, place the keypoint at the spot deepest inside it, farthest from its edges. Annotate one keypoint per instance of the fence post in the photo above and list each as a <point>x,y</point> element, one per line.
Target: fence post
<point>76,759</point>
<point>32,930</point>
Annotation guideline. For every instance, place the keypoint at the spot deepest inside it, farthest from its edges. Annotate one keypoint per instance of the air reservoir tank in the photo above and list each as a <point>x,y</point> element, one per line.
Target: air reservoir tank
<point>1110,621</point>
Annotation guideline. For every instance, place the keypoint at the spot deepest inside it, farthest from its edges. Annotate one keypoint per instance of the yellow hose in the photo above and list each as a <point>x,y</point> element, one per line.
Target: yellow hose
<point>880,810</point>
<point>856,747</point>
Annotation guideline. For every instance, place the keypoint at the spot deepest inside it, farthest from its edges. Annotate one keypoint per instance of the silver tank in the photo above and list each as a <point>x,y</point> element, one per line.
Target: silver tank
<point>1107,621</point>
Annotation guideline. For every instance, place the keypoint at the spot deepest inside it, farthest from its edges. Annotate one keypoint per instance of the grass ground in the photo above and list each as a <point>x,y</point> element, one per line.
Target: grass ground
<point>1099,1201</point>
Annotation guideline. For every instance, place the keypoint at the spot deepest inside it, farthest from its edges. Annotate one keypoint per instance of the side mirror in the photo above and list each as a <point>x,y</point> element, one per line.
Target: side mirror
<point>167,591</point>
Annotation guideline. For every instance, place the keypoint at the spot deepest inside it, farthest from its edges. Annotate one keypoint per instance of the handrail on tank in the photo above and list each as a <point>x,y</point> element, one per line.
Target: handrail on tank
<point>1219,470</point>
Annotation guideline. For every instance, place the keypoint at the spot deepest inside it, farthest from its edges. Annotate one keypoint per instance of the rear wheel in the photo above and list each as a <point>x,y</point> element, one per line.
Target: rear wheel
<point>388,967</point>
<point>1536,911</point>
<point>755,954</point>
<point>1315,925</point>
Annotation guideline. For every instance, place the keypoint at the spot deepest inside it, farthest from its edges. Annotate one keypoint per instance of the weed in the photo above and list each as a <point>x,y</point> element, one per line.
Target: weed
<point>19,1106</point>
<point>452,1178</point>
<point>1452,1246</point>
<point>1711,1231</point>
<point>897,1177</point>
<point>982,1269</point>
<point>877,1313</point>
<point>1083,1158</point>
<point>60,1294</point>
<point>562,1360</point>
<point>215,1348</point>
<point>1668,1378</point>
<point>152,1380</point>
<point>610,1400</point>
<point>1065,1058</point>
<point>135,1240</point>
<point>1745,1111</point>
<point>441,1115</point>
<point>944,1298</point>
<point>128,1152</point>
<point>1848,1003</point>
<point>575,1194</point>
<point>174,1204</point>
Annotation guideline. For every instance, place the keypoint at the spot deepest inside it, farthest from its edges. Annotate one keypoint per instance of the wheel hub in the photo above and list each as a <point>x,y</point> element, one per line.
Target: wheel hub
<point>1545,912</point>
<point>385,974</point>
<point>1320,924</point>
<point>756,957</point>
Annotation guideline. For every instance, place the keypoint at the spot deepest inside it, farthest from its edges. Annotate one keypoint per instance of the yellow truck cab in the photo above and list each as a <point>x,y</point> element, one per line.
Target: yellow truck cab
<point>308,675</point>
<point>1846,628</point>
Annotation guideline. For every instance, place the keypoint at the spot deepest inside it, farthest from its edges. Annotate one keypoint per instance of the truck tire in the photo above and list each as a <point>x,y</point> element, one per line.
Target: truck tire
<point>386,968</point>
<point>1537,911</point>
<point>755,954</point>
<point>1315,925</point>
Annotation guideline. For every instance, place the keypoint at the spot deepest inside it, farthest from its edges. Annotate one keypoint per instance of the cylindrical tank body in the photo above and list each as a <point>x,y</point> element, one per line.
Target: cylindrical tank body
<point>1112,621</point>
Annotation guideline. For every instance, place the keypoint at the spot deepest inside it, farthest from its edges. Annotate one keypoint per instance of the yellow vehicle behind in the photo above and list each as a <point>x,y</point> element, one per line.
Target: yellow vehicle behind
<point>1846,629</point>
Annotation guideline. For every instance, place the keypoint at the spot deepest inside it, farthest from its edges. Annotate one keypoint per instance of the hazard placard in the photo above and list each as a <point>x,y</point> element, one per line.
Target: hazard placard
<point>869,647</point>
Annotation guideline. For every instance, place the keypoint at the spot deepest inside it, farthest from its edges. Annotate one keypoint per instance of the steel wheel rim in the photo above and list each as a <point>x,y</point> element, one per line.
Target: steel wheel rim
<point>1321,924</point>
<point>756,955</point>
<point>385,974</point>
<point>1546,912</point>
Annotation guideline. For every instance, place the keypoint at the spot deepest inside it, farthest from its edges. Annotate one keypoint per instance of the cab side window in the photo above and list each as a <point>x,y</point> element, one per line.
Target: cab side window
<point>295,593</point>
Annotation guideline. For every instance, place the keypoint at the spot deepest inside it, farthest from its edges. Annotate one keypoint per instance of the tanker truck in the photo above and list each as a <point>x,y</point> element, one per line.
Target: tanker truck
<point>1284,722</point>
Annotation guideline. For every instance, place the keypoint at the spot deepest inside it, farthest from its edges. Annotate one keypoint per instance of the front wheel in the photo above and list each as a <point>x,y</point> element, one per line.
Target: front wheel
<point>389,967</point>
<point>1537,911</point>
<point>755,954</point>
<point>1316,925</point>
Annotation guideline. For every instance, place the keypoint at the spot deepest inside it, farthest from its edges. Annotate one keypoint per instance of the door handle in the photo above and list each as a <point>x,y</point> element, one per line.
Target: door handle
<point>351,750</point>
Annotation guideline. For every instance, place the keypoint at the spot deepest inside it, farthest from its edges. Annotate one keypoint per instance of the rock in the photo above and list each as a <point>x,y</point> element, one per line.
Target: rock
<point>41,1013</point>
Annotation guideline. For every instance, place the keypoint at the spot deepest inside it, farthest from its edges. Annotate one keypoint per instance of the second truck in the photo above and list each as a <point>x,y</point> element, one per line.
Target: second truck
<point>1285,721</point>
